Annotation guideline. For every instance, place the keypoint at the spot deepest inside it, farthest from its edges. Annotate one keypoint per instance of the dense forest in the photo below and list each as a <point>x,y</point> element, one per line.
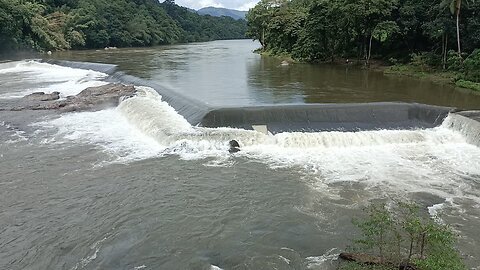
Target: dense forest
<point>76,24</point>
<point>442,34</point>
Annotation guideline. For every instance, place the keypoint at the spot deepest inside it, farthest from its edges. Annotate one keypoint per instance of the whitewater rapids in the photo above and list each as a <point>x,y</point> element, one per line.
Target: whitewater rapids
<point>114,181</point>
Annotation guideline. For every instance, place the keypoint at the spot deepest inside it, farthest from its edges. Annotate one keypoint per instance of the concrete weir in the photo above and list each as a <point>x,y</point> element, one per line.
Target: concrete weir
<point>302,117</point>
<point>467,123</point>
<point>104,68</point>
<point>323,117</point>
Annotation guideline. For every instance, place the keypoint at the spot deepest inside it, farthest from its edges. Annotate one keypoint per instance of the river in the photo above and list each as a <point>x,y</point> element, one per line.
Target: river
<point>121,189</point>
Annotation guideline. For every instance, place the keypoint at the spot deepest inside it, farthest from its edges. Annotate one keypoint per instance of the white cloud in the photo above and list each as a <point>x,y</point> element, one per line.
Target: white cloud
<point>232,4</point>
<point>248,5</point>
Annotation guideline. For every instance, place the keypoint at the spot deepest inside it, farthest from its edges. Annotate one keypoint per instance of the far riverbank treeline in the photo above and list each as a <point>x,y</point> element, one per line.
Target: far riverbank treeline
<point>436,34</point>
<point>78,24</point>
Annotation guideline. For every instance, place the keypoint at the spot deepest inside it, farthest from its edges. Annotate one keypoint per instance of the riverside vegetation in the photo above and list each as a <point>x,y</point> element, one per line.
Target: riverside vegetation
<point>399,237</point>
<point>44,25</point>
<point>415,37</point>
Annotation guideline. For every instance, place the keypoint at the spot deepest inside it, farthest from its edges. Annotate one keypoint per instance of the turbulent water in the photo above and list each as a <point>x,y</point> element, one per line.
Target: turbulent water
<point>138,187</point>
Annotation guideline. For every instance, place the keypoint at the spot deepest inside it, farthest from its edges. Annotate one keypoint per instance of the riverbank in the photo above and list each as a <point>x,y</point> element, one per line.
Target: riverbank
<point>445,77</point>
<point>410,70</point>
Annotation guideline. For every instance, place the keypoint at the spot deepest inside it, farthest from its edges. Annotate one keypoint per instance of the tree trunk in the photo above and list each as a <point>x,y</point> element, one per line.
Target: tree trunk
<point>369,50</point>
<point>263,38</point>
<point>444,50</point>
<point>422,247</point>
<point>364,48</point>
<point>459,4</point>
<point>410,252</point>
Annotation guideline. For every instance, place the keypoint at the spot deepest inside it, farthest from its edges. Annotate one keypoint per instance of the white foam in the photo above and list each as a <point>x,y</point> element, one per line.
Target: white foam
<point>287,261</point>
<point>431,160</point>
<point>85,261</point>
<point>321,262</point>
<point>16,134</point>
<point>48,78</point>
<point>155,118</point>
<point>95,247</point>
<point>436,210</point>
<point>107,129</point>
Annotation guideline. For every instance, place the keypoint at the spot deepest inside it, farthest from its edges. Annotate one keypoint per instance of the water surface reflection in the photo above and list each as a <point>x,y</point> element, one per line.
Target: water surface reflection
<point>228,73</point>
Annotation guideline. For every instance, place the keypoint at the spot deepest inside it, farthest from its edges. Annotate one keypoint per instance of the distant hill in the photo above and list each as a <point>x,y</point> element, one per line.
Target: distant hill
<point>218,12</point>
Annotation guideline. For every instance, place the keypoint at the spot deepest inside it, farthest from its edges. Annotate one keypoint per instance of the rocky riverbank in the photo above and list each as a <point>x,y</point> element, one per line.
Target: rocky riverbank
<point>90,99</point>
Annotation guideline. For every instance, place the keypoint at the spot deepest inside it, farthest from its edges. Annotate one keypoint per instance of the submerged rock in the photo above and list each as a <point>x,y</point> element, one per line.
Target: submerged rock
<point>366,259</point>
<point>90,99</point>
<point>234,147</point>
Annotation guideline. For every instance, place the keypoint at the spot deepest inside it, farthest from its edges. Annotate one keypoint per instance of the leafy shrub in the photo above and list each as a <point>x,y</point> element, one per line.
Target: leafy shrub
<point>402,236</point>
<point>472,67</point>
<point>468,84</point>
<point>454,61</point>
<point>393,61</point>
<point>426,60</point>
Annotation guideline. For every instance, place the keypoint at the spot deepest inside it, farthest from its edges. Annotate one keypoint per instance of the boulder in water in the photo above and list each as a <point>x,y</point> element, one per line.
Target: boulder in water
<point>90,99</point>
<point>234,146</point>
<point>95,98</point>
<point>41,96</point>
<point>366,259</point>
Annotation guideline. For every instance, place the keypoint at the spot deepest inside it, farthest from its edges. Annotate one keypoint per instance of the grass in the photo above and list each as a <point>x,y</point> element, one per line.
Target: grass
<point>282,56</point>
<point>422,73</point>
<point>468,84</point>
<point>445,77</point>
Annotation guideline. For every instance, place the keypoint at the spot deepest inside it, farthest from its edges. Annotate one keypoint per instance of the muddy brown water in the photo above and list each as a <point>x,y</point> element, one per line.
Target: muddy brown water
<point>96,190</point>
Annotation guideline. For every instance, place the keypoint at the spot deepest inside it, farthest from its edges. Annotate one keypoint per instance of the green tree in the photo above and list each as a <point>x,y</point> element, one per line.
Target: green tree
<point>455,8</point>
<point>403,238</point>
<point>365,16</point>
<point>65,24</point>
<point>258,19</point>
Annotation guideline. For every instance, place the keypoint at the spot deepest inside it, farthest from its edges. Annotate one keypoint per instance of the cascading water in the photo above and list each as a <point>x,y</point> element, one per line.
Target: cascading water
<point>469,128</point>
<point>157,119</point>
<point>433,160</point>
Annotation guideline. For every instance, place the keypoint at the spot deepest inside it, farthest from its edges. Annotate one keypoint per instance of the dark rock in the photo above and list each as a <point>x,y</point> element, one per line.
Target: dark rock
<point>41,96</point>
<point>363,258</point>
<point>360,258</point>
<point>90,99</point>
<point>234,146</point>
<point>95,98</point>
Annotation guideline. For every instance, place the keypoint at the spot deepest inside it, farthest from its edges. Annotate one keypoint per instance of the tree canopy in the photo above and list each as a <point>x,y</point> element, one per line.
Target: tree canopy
<point>320,30</point>
<point>67,24</point>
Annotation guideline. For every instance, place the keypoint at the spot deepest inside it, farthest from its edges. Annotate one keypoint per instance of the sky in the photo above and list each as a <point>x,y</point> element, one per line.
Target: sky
<point>231,4</point>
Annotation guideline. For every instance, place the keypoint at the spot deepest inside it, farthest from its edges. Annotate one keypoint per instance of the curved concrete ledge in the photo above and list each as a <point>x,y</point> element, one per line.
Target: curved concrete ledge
<point>104,68</point>
<point>468,124</point>
<point>193,110</point>
<point>280,118</point>
<point>321,117</point>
